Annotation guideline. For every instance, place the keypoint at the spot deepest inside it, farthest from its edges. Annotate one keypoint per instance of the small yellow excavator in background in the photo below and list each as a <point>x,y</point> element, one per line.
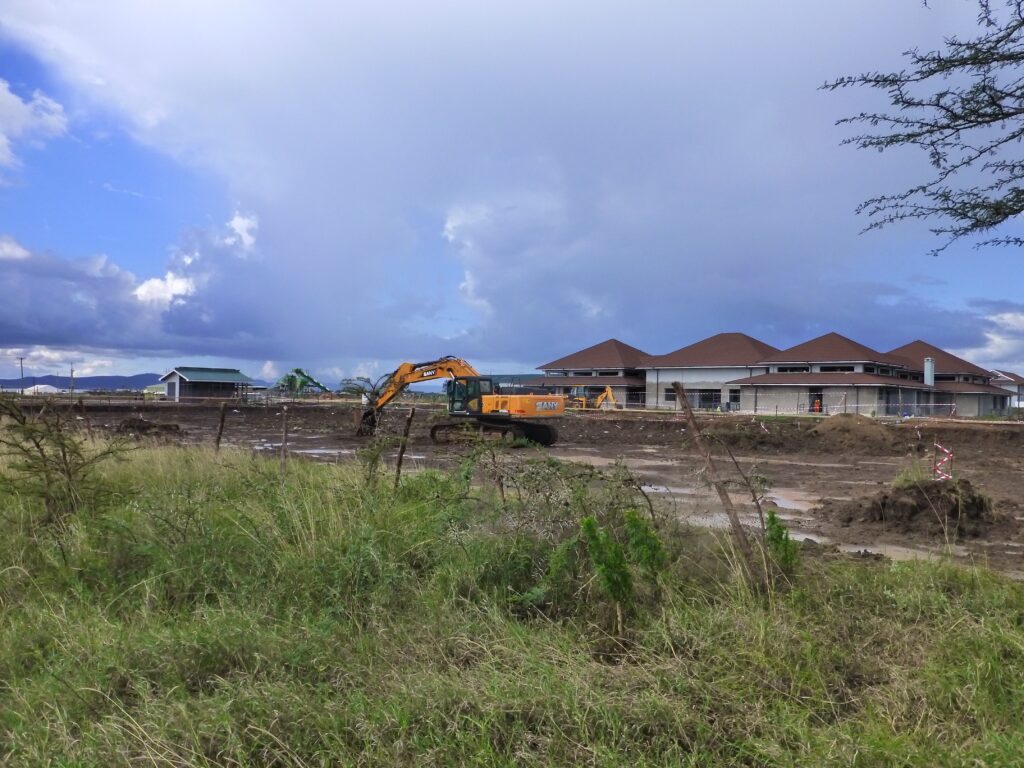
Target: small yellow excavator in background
<point>578,399</point>
<point>475,404</point>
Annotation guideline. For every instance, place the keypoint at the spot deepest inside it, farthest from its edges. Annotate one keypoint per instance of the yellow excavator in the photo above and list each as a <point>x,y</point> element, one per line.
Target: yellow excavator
<point>475,403</point>
<point>578,399</point>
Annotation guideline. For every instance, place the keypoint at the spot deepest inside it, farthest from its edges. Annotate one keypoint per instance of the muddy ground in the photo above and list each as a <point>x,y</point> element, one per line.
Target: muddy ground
<point>830,477</point>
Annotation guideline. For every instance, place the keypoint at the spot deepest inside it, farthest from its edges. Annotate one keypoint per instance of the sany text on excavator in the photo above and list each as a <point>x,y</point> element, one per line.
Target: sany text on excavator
<point>475,404</point>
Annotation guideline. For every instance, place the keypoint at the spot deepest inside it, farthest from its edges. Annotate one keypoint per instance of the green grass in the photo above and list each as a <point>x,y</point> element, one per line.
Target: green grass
<point>209,614</point>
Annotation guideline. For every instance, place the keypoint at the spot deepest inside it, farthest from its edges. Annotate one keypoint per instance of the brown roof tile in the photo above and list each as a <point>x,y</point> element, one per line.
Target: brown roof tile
<point>722,349</point>
<point>608,354</point>
<point>832,348</point>
<point>963,387</point>
<point>915,352</point>
<point>1016,378</point>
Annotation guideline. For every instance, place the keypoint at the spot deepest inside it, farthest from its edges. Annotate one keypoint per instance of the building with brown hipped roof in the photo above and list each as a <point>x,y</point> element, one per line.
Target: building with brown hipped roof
<point>734,371</point>
<point>587,372</point>
<point>704,368</point>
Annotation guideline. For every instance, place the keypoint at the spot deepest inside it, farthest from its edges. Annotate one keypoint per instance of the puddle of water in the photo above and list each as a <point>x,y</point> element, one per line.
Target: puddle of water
<point>594,461</point>
<point>1014,544</point>
<point>322,451</point>
<point>791,462</point>
<point>791,498</point>
<point>790,518</point>
<point>675,490</point>
<point>798,535</point>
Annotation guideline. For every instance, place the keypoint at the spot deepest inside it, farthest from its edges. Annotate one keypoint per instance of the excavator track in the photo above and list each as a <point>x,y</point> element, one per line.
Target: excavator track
<point>469,431</point>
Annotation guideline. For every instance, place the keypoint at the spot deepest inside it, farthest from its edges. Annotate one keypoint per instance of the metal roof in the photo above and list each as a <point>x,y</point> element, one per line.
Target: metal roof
<point>209,375</point>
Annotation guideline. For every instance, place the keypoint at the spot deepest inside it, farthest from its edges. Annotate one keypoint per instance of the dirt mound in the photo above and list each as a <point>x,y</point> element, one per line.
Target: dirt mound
<point>856,434</point>
<point>930,508</point>
<point>139,427</point>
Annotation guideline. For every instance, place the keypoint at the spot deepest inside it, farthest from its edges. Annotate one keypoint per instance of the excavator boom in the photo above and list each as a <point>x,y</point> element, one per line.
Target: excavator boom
<point>412,373</point>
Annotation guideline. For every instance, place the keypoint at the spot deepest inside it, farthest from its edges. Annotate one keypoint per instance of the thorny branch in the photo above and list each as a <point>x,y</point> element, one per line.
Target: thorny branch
<point>964,106</point>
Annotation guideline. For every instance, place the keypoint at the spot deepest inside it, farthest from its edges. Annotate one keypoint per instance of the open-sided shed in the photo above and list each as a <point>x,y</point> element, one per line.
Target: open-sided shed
<point>190,384</point>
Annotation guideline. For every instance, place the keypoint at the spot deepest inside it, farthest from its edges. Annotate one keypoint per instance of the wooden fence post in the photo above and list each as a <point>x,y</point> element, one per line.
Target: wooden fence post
<point>220,425</point>
<point>284,439</point>
<point>739,535</point>
<point>401,447</point>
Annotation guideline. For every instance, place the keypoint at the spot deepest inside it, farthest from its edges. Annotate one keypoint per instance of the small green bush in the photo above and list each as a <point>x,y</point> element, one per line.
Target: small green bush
<point>783,550</point>
<point>912,476</point>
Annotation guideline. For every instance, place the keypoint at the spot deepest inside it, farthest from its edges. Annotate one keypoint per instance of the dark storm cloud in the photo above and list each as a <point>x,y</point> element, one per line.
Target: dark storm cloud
<point>514,183</point>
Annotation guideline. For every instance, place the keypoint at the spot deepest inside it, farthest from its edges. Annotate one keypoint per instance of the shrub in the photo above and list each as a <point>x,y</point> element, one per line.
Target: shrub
<point>49,459</point>
<point>783,550</point>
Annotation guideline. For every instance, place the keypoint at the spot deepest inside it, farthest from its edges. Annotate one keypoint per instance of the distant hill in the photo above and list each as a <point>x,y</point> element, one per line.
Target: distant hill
<point>85,383</point>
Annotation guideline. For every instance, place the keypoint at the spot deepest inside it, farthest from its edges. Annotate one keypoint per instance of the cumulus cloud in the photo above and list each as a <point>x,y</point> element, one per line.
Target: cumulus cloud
<point>42,360</point>
<point>80,304</point>
<point>162,291</point>
<point>34,120</point>
<point>243,231</point>
<point>270,371</point>
<point>10,249</point>
<point>1003,345</point>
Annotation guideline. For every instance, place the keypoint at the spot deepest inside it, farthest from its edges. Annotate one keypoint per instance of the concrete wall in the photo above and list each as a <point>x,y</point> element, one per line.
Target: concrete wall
<point>173,388</point>
<point>978,405</point>
<point>660,379</point>
<point>765,399</point>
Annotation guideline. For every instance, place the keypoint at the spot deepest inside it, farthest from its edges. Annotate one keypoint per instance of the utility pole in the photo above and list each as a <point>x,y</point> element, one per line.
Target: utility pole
<point>21,362</point>
<point>71,391</point>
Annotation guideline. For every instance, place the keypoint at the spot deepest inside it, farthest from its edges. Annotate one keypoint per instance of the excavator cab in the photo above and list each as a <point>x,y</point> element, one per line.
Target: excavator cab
<point>465,394</point>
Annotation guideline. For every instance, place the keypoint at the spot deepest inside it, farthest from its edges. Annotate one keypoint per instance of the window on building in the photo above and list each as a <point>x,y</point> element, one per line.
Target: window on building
<point>706,398</point>
<point>945,377</point>
<point>669,395</point>
<point>837,369</point>
<point>869,369</point>
<point>607,373</point>
<point>582,373</point>
<point>734,397</point>
<point>793,369</point>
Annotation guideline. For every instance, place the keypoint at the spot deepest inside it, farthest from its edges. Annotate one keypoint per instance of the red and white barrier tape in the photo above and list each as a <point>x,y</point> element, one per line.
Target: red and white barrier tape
<point>939,470</point>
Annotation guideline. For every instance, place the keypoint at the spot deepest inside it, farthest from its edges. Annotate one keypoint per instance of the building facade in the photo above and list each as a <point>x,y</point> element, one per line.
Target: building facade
<point>586,373</point>
<point>186,384</point>
<point>705,369</point>
<point>828,374</point>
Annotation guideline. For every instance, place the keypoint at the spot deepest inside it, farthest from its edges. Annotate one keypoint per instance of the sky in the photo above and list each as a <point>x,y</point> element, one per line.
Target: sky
<point>343,186</point>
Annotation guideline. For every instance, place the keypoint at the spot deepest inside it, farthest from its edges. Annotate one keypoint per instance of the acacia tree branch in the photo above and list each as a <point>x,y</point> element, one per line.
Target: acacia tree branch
<point>964,106</point>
